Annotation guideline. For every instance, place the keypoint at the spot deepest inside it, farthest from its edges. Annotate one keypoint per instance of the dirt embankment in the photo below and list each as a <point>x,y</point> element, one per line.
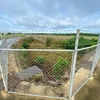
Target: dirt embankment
<point>6,96</point>
<point>12,63</point>
<point>91,90</point>
<point>0,77</point>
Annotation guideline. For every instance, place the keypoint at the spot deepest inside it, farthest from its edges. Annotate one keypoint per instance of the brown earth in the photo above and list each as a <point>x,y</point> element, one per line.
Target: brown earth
<point>12,63</point>
<point>6,96</point>
<point>91,90</point>
<point>62,37</point>
<point>0,77</point>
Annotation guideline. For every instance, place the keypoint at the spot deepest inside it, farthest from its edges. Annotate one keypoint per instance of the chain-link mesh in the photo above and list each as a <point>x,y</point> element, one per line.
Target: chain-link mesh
<point>46,72</point>
<point>39,72</point>
<point>83,67</point>
<point>3,63</point>
<point>99,52</point>
<point>85,61</point>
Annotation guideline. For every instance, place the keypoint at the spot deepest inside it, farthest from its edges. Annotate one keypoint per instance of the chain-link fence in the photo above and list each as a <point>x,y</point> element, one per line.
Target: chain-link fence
<point>39,72</point>
<point>4,64</point>
<point>52,71</point>
<point>83,67</point>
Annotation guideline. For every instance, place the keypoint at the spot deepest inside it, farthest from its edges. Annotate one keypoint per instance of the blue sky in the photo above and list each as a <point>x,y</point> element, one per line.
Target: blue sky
<point>50,14</point>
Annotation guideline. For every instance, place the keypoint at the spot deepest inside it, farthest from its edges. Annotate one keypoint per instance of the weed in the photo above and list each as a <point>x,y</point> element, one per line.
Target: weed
<point>40,60</point>
<point>59,67</point>
<point>48,42</point>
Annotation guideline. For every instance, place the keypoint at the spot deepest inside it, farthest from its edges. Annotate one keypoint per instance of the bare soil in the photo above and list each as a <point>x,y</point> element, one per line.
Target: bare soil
<point>55,37</point>
<point>91,90</point>
<point>0,77</point>
<point>12,63</point>
<point>6,96</point>
<point>62,37</point>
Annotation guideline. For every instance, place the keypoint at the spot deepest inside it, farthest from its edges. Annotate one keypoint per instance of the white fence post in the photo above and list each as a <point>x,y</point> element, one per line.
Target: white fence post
<point>96,57</point>
<point>99,47</point>
<point>4,65</point>
<point>73,65</point>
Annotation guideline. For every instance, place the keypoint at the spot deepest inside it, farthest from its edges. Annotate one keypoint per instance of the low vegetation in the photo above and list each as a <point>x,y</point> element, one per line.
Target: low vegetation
<point>53,64</point>
<point>60,67</point>
<point>48,42</point>
<point>25,45</point>
<point>70,44</point>
<point>40,60</point>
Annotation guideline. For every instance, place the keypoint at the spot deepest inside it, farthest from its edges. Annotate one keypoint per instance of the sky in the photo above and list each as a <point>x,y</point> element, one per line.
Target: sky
<point>50,15</point>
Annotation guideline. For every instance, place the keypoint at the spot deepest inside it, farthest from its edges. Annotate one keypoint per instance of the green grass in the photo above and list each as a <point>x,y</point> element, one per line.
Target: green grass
<point>15,35</point>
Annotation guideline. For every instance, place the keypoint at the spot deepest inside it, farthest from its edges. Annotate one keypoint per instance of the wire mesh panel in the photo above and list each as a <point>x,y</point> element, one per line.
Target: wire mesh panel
<point>3,63</point>
<point>83,67</point>
<point>98,51</point>
<point>43,64</point>
<point>39,72</point>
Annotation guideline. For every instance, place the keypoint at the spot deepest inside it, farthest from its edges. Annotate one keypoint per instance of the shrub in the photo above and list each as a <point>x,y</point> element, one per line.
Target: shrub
<point>28,39</point>
<point>40,60</point>
<point>25,45</point>
<point>8,33</point>
<point>59,67</point>
<point>70,44</point>
<point>24,54</point>
<point>48,42</point>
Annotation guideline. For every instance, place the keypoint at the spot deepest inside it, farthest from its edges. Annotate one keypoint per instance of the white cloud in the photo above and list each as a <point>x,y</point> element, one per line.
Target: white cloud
<point>49,14</point>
